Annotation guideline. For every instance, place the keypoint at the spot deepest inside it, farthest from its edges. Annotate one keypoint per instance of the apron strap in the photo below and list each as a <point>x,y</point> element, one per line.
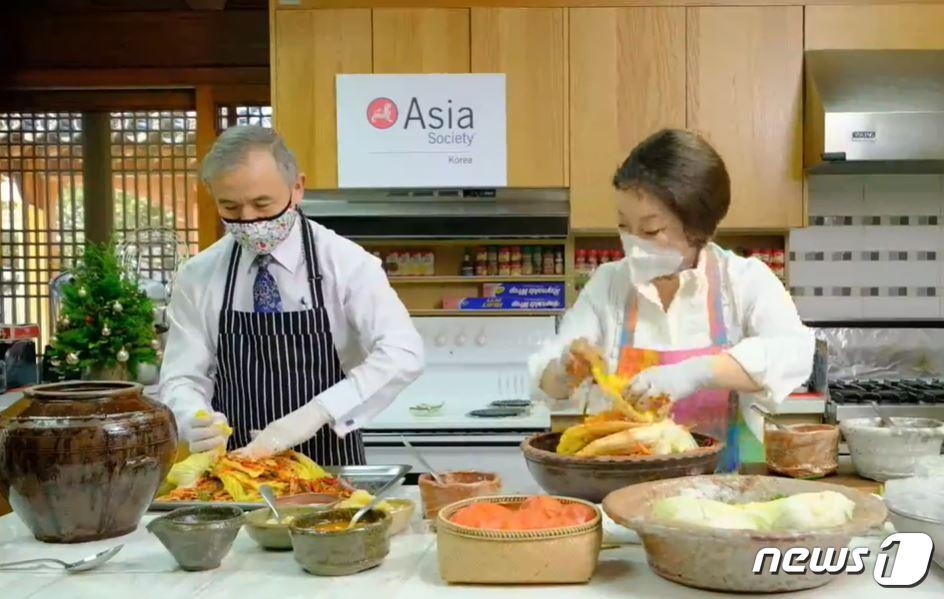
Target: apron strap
<point>230,285</point>
<point>311,262</point>
<point>716,325</point>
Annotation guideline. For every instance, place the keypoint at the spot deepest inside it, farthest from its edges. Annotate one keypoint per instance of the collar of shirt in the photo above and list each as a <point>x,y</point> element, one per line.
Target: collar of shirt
<point>290,254</point>
<point>691,281</point>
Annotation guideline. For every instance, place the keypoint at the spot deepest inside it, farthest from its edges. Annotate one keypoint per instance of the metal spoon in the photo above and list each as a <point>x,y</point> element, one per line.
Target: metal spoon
<point>422,460</point>
<point>378,496</point>
<point>88,563</point>
<point>269,497</point>
<point>886,421</point>
<point>768,418</point>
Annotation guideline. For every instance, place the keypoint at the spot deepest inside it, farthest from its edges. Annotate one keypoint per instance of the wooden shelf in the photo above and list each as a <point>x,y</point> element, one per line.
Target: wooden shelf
<point>441,312</point>
<point>437,279</point>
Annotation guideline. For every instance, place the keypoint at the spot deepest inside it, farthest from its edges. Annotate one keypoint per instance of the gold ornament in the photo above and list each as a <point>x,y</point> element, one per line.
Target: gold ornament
<point>72,358</point>
<point>122,355</point>
<point>64,321</point>
<point>159,354</point>
<point>117,307</point>
<point>52,340</point>
<point>83,292</point>
<point>106,331</point>
<point>155,344</point>
<point>55,363</point>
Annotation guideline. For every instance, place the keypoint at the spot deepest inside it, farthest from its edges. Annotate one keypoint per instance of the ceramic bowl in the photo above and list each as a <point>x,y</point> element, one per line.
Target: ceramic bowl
<point>723,559</point>
<point>400,512</point>
<point>802,450</point>
<point>198,537</point>
<point>917,505</point>
<point>455,486</point>
<point>343,552</point>
<point>883,453</point>
<point>268,533</point>
<point>591,479</point>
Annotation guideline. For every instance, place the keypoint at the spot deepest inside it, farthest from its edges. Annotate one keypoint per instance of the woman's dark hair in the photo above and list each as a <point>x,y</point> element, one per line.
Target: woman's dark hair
<point>684,172</point>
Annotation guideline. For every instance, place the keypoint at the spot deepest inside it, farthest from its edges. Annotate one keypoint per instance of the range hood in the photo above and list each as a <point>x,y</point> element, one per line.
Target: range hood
<point>441,213</point>
<point>874,111</point>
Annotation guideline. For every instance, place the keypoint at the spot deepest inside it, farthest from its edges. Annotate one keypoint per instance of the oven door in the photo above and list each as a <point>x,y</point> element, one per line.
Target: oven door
<point>488,451</point>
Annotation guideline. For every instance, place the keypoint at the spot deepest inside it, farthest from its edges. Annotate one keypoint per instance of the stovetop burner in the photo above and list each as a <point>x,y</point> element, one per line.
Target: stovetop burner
<point>904,391</point>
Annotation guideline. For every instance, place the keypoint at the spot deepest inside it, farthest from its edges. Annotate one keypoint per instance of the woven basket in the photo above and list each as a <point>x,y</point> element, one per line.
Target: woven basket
<point>554,556</point>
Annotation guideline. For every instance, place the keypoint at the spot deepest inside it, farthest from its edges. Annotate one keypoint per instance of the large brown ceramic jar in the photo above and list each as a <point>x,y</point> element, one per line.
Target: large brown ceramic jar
<point>84,459</point>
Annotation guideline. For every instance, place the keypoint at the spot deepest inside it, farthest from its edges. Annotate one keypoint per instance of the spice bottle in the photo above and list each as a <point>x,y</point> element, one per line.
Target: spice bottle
<point>467,269</point>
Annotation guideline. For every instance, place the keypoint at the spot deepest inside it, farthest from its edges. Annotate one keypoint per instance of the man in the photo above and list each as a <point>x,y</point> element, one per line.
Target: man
<point>282,326</point>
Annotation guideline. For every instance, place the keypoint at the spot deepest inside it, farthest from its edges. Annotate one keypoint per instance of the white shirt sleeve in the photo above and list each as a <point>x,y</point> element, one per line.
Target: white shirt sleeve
<point>777,348</point>
<point>186,386</point>
<point>394,349</point>
<point>583,320</point>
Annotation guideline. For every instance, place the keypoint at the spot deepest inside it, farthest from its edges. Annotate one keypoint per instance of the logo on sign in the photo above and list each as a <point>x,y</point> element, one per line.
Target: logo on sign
<point>863,135</point>
<point>382,113</point>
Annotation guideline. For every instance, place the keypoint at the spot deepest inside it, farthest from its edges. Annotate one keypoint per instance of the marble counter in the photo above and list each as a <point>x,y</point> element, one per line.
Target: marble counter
<point>143,569</point>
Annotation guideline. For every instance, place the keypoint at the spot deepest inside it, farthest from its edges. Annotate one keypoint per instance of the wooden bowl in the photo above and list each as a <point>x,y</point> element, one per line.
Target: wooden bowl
<point>723,559</point>
<point>594,478</point>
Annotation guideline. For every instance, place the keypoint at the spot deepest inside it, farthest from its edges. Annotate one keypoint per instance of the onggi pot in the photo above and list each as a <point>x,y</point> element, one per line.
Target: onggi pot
<point>84,459</point>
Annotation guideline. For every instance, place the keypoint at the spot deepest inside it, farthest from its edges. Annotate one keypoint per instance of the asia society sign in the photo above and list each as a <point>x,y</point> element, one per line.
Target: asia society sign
<point>421,131</point>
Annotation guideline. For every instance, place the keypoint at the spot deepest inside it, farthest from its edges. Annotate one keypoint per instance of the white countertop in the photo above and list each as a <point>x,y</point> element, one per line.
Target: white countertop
<point>144,569</point>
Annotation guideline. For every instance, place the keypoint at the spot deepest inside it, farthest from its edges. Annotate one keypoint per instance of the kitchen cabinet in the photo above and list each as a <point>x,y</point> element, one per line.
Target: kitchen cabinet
<point>875,27</point>
<point>310,48</point>
<point>421,40</point>
<point>627,80</point>
<point>745,67</point>
<point>529,46</point>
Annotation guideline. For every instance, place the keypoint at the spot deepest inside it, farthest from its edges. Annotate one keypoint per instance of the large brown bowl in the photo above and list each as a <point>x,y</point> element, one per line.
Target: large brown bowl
<point>84,459</point>
<point>594,478</point>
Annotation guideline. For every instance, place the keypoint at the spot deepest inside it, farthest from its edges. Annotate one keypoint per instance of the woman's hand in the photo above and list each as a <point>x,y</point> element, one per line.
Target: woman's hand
<point>650,388</point>
<point>563,375</point>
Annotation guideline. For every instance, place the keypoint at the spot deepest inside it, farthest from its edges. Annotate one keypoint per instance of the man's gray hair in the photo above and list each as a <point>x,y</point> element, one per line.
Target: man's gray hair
<point>234,144</point>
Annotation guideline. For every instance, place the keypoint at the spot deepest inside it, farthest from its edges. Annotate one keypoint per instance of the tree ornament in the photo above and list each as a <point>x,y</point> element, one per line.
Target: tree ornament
<point>72,358</point>
<point>155,344</point>
<point>55,363</point>
<point>52,340</point>
<point>159,354</point>
<point>117,307</point>
<point>89,320</point>
<point>122,355</point>
<point>64,321</point>
<point>83,292</point>
<point>106,331</point>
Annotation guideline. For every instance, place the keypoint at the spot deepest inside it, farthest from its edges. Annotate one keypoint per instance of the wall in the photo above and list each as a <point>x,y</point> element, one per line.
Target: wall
<point>874,248</point>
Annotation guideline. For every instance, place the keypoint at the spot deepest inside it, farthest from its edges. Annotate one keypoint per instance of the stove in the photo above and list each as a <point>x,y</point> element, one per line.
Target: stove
<point>896,397</point>
<point>471,362</point>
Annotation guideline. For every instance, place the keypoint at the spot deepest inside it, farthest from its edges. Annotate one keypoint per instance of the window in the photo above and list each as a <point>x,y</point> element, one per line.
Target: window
<point>41,211</point>
<point>257,114</point>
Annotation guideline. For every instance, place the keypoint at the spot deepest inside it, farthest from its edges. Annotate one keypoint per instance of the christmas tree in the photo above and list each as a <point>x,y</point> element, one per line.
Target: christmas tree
<point>105,325</point>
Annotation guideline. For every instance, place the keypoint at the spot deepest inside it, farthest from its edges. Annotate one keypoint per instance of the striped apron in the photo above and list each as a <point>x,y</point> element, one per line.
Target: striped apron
<point>269,365</point>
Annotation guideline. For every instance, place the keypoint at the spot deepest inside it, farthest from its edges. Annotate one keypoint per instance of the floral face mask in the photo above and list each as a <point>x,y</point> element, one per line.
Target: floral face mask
<point>262,235</point>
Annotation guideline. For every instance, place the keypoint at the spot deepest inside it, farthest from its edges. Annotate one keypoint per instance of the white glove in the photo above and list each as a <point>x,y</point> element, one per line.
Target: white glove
<point>675,381</point>
<point>205,431</point>
<point>287,432</point>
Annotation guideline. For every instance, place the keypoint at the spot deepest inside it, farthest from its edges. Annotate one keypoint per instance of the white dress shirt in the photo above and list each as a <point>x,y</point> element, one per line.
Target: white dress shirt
<point>767,337</point>
<point>379,348</point>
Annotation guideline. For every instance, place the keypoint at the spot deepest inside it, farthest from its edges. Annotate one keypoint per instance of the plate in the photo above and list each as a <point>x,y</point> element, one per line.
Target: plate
<point>368,478</point>
<point>511,403</point>
<point>496,412</point>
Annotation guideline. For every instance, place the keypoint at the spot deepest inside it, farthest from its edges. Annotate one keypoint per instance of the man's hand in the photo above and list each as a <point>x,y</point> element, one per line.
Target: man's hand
<point>287,432</point>
<point>205,431</point>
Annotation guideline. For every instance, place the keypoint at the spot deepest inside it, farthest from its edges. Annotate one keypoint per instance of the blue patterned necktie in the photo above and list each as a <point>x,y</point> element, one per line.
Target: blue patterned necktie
<point>265,292</point>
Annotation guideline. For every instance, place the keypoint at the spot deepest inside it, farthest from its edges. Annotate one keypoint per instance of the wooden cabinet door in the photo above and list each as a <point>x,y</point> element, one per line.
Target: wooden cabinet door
<point>875,27</point>
<point>627,81</point>
<point>421,40</point>
<point>745,68</point>
<point>528,45</point>
<point>311,47</point>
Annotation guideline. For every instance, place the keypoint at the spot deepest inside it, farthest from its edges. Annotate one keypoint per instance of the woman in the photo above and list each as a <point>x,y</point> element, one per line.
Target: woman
<point>684,319</point>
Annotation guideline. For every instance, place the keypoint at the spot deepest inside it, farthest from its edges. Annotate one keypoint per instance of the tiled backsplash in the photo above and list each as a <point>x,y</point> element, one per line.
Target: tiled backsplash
<point>874,248</point>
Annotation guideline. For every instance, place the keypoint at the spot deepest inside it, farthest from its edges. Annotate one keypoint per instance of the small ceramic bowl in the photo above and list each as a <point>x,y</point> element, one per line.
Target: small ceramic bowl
<point>342,552</point>
<point>198,537</point>
<point>271,534</point>
<point>400,512</point>
<point>883,453</point>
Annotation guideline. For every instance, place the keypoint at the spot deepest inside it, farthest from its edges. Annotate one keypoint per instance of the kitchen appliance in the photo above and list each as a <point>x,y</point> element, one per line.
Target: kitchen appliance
<point>915,398</point>
<point>470,362</point>
<point>874,111</point>
<point>437,213</point>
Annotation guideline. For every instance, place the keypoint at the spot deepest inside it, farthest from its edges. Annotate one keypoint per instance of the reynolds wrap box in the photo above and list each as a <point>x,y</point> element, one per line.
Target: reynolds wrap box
<point>524,290</point>
<point>505,303</point>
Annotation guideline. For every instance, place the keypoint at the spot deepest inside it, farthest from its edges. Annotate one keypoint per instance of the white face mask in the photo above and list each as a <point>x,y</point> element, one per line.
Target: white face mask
<point>649,260</point>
